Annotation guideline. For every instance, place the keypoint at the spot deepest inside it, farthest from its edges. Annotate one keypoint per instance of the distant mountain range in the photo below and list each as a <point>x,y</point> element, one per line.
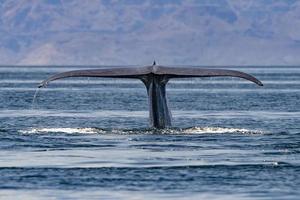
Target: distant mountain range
<point>109,32</point>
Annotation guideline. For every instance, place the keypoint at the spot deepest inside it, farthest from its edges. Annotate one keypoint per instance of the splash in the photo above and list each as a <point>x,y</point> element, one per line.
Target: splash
<point>219,130</point>
<point>171,131</point>
<point>62,130</point>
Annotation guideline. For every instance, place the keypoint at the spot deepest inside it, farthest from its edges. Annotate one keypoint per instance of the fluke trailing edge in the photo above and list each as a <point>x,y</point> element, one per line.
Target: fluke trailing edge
<point>155,78</point>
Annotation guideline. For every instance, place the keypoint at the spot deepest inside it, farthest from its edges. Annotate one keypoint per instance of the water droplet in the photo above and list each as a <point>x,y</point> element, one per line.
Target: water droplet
<point>34,97</point>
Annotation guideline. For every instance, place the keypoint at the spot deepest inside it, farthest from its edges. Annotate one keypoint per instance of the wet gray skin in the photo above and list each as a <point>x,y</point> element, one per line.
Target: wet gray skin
<point>155,78</point>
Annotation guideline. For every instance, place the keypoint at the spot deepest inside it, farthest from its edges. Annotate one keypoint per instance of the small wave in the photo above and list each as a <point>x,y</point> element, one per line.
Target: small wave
<point>170,131</point>
<point>2,131</point>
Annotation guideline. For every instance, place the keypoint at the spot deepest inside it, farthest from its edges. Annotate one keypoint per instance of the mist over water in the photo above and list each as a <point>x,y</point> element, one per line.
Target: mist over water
<point>85,138</point>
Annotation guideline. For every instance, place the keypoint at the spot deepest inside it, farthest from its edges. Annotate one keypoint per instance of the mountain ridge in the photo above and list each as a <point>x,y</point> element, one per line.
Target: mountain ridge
<point>225,32</point>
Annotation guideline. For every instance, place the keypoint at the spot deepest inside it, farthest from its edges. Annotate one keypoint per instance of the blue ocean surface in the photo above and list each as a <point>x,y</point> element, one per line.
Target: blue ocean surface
<point>88,138</point>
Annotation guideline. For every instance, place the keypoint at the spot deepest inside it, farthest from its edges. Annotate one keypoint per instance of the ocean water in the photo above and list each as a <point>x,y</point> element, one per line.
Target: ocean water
<point>88,138</point>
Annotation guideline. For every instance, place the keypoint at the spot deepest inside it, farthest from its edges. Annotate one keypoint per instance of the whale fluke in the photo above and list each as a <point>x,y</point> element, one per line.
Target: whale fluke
<point>139,72</point>
<point>155,78</point>
<point>115,72</point>
<point>188,72</point>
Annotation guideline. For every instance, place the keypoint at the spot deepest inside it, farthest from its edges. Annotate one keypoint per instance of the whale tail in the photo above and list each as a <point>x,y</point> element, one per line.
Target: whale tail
<point>155,79</point>
<point>141,72</point>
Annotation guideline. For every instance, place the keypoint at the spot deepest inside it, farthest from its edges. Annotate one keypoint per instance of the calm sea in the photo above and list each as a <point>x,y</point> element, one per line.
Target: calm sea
<point>88,138</point>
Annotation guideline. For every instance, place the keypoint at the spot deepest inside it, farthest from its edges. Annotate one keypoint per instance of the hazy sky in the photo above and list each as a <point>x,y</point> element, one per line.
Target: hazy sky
<point>197,32</point>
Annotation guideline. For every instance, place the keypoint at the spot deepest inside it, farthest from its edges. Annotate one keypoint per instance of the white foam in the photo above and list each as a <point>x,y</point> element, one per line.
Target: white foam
<point>193,130</point>
<point>202,130</point>
<point>62,130</point>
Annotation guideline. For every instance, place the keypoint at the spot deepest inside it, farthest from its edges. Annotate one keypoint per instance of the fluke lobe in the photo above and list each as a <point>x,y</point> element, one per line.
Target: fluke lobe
<point>155,78</point>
